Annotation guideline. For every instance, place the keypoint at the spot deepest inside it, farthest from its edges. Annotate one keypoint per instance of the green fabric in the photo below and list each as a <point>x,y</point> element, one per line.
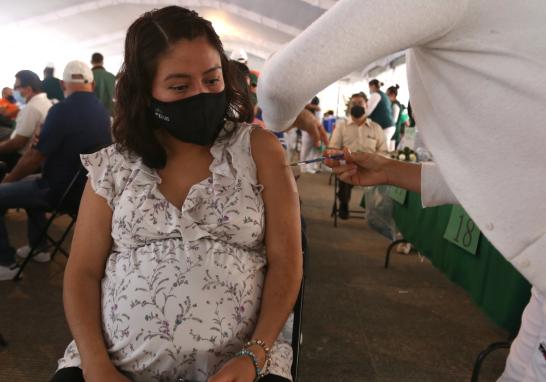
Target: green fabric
<point>104,87</point>
<point>382,114</point>
<point>492,282</point>
<point>253,78</point>
<point>52,87</point>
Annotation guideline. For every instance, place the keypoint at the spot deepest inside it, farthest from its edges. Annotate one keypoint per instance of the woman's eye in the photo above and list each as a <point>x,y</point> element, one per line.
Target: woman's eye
<point>178,87</point>
<point>212,81</point>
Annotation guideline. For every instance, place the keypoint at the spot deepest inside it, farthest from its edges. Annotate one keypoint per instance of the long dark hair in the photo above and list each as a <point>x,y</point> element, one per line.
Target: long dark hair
<point>241,74</point>
<point>147,39</point>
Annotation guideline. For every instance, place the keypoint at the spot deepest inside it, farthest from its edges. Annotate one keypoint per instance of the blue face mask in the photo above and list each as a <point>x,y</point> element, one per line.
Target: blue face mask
<point>18,97</point>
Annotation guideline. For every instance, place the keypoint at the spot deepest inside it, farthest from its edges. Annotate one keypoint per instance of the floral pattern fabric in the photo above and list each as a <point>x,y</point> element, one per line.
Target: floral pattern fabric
<point>182,287</point>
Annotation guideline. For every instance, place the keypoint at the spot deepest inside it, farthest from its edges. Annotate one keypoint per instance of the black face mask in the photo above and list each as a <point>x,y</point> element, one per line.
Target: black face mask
<point>357,111</point>
<point>196,119</point>
<point>11,99</point>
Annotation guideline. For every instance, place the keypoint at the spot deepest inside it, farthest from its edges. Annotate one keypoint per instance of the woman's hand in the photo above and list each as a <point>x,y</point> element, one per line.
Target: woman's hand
<point>102,373</point>
<point>360,169</point>
<point>237,369</point>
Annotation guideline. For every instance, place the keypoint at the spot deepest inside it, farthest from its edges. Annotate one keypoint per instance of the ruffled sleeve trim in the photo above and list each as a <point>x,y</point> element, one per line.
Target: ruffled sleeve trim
<point>232,157</point>
<point>110,170</point>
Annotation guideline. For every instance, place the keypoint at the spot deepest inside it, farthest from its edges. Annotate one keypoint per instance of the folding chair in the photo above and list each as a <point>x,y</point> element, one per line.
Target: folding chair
<point>297,336</point>
<point>68,204</point>
<point>389,250</point>
<point>358,214</point>
<point>481,357</point>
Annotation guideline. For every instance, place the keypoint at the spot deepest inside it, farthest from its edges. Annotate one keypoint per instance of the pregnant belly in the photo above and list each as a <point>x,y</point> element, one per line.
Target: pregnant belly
<point>179,311</point>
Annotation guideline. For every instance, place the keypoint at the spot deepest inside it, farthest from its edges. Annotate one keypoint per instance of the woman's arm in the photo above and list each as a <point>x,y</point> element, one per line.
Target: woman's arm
<point>82,286</point>
<point>347,38</point>
<point>284,253</point>
<point>282,237</point>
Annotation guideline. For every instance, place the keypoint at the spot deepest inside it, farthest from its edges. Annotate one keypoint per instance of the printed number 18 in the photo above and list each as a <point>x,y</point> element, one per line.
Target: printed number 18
<point>467,237</point>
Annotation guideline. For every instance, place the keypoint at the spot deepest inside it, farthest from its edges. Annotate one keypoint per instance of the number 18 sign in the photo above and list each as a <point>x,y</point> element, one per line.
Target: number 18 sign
<point>462,231</point>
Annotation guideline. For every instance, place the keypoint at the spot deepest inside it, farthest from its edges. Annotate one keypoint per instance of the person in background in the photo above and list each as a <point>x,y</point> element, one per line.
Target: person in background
<point>241,75</point>
<point>28,120</point>
<point>392,92</point>
<point>309,151</point>
<point>52,85</point>
<point>76,125</point>
<point>254,75</point>
<point>358,134</point>
<point>329,122</point>
<point>239,55</point>
<point>104,82</point>
<point>380,111</point>
<point>8,113</point>
<point>314,106</point>
<point>399,114</point>
<point>242,79</point>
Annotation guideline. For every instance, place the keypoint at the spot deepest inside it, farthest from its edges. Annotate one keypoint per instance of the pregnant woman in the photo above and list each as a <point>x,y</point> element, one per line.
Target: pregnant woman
<point>186,260</point>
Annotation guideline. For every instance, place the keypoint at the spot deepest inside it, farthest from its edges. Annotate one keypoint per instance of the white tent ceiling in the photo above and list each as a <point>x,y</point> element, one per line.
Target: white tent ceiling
<point>60,30</point>
<point>37,32</point>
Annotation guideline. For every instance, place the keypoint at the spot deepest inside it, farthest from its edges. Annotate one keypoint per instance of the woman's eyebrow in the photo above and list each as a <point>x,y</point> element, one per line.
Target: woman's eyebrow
<point>212,69</point>
<point>176,75</point>
<point>185,75</point>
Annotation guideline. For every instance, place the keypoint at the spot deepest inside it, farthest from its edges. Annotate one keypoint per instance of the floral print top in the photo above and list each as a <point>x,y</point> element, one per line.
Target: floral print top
<point>182,287</point>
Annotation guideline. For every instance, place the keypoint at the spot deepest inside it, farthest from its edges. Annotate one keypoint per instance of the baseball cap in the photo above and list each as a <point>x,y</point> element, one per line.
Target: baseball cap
<point>77,72</point>
<point>239,55</point>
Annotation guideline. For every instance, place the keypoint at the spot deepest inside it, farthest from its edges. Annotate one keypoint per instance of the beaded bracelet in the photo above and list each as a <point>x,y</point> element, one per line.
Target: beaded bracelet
<point>259,343</point>
<point>252,356</point>
<point>265,369</point>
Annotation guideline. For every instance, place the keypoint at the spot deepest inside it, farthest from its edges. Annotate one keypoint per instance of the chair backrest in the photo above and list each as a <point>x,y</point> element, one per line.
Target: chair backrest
<point>69,202</point>
<point>298,310</point>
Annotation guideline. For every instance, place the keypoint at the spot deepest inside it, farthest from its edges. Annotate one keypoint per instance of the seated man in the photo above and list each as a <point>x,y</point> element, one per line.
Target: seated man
<point>357,134</point>
<point>30,117</point>
<point>74,126</point>
<point>8,108</point>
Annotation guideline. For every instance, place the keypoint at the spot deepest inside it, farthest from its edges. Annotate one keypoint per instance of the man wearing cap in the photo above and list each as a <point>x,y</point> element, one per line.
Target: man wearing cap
<point>74,126</point>
<point>240,56</point>
<point>52,85</point>
<point>28,87</point>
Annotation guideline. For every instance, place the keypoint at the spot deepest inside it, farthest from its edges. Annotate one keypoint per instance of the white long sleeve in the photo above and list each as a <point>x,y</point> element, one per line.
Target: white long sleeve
<point>374,100</point>
<point>349,36</point>
<point>434,189</point>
